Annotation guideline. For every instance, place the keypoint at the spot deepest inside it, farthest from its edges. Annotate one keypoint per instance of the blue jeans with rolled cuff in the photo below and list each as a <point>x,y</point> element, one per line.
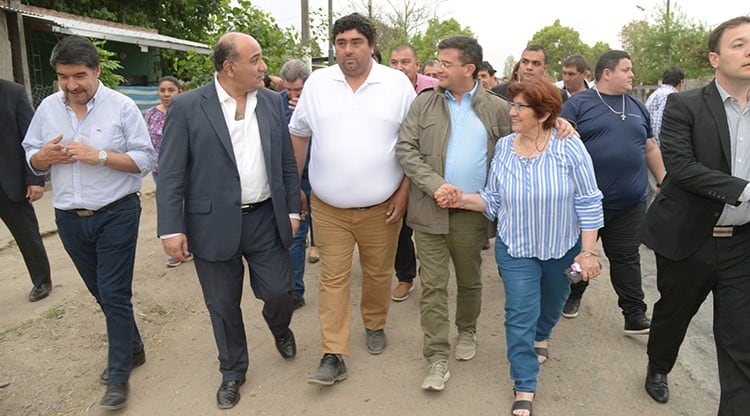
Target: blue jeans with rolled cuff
<point>535,293</point>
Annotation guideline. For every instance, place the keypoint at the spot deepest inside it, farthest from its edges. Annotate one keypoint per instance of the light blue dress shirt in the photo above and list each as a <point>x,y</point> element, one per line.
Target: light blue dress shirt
<point>112,123</point>
<point>466,157</point>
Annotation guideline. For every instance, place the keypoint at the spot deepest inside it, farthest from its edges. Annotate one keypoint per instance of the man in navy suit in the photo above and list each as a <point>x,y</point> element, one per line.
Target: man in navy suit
<point>699,224</point>
<point>19,187</point>
<point>228,189</point>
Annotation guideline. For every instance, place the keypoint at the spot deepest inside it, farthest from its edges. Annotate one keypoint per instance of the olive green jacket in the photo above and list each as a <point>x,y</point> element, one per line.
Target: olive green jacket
<point>423,144</point>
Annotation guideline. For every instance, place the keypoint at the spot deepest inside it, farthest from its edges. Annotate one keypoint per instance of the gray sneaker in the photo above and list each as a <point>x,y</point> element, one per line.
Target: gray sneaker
<point>331,370</point>
<point>437,375</point>
<point>466,346</point>
<point>376,341</point>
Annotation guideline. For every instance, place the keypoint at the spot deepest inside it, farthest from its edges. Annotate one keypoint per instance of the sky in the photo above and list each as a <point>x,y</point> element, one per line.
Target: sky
<point>504,28</point>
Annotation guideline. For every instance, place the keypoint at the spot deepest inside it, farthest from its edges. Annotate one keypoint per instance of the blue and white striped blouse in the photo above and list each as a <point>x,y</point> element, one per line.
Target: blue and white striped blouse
<point>542,203</point>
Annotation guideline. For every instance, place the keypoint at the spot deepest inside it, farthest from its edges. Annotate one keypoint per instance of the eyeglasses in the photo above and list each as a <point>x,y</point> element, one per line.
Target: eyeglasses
<point>518,106</point>
<point>448,65</point>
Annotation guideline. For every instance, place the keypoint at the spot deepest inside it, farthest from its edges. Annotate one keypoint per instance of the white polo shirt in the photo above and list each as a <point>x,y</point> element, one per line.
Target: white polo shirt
<point>353,151</point>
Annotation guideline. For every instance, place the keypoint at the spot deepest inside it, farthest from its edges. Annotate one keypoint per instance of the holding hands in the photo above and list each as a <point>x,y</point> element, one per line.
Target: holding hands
<point>448,196</point>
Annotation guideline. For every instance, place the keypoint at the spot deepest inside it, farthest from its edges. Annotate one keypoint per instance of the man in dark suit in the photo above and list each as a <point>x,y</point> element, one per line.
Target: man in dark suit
<point>699,224</point>
<point>19,187</point>
<point>228,188</point>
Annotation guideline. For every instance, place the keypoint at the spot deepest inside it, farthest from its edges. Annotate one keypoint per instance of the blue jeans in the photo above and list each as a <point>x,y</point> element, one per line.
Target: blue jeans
<point>297,248</point>
<point>535,293</point>
<point>102,247</point>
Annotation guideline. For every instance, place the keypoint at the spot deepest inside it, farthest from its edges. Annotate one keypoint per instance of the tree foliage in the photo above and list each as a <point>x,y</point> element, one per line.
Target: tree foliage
<point>186,19</point>
<point>278,44</point>
<point>108,65</point>
<point>426,43</point>
<point>560,42</point>
<point>663,41</point>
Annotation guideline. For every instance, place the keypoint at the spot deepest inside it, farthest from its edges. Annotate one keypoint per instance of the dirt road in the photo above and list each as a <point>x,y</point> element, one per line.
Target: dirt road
<point>52,352</point>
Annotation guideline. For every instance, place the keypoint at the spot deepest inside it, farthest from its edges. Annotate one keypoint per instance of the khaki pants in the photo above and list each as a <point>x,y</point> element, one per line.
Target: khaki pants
<point>337,230</point>
<point>463,245</point>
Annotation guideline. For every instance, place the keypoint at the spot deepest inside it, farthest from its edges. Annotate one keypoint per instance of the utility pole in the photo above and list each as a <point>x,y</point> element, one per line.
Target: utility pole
<point>330,32</point>
<point>305,24</point>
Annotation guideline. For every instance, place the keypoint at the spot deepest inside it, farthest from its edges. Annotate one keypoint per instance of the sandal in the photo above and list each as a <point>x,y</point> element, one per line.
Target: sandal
<point>542,352</point>
<point>521,404</point>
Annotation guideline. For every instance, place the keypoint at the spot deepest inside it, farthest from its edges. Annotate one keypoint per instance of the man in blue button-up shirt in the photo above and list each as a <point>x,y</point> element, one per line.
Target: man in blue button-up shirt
<point>94,143</point>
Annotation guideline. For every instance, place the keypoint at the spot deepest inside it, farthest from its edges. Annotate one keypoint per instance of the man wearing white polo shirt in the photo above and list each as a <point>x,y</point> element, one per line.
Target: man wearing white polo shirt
<point>353,112</point>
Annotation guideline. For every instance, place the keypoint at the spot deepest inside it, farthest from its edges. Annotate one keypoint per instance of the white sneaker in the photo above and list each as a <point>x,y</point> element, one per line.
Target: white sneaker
<point>466,347</point>
<point>437,375</point>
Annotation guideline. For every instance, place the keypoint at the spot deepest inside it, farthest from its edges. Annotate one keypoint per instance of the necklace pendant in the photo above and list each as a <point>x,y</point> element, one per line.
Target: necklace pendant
<point>622,116</point>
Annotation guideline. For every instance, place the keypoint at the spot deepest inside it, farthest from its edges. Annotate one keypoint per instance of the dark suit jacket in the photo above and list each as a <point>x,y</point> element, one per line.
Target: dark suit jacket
<point>15,117</point>
<point>696,149</point>
<point>198,190</point>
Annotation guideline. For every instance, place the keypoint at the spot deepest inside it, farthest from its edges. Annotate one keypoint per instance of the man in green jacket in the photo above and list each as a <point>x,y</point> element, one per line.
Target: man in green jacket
<point>449,138</point>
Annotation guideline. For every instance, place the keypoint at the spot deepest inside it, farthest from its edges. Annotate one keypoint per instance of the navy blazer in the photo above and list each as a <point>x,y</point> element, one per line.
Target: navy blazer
<point>696,149</point>
<point>198,189</point>
<point>15,174</point>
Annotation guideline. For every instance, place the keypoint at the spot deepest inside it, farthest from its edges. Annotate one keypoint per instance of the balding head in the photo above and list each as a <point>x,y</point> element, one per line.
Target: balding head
<point>238,61</point>
<point>226,48</point>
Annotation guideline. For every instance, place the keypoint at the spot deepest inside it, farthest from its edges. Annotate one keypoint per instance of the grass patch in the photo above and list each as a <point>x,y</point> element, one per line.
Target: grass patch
<point>54,313</point>
<point>159,310</point>
<point>17,330</point>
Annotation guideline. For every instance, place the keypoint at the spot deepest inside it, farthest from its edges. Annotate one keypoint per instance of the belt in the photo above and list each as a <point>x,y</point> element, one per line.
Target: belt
<point>247,208</point>
<point>730,230</point>
<point>364,208</point>
<point>456,210</point>
<point>90,212</point>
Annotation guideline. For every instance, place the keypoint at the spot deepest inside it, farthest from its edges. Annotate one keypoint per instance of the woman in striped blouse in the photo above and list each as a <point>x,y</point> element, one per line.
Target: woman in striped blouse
<point>543,193</point>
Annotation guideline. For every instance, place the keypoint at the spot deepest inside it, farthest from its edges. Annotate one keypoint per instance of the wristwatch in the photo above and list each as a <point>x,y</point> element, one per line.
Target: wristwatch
<point>102,157</point>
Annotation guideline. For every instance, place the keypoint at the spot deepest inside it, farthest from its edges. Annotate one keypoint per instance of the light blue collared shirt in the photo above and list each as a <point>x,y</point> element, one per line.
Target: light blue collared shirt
<point>112,123</point>
<point>738,121</point>
<point>466,158</point>
<point>542,204</point>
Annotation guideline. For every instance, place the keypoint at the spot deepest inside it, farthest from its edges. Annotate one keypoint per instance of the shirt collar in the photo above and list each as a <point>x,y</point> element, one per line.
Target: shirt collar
<point>722,92</point>
<point>90,104</point>
<point>224,95</point>
<point>470,94</point>
<point>375,76</point>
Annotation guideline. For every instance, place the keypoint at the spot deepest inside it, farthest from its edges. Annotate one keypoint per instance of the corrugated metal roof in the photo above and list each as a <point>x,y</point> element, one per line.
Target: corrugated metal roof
<point>70,26</point>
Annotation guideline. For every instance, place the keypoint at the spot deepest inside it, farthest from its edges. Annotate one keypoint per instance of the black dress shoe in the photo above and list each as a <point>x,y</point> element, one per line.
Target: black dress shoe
<point>657,386</point>
<point>116,397</point>
<point>286,345</point>
<point>229,393</point>
<point>138,359</point>
<point>40,292</point>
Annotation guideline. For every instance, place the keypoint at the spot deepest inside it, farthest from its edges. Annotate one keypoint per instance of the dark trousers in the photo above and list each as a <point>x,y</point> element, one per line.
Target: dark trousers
<point>21,221</point>
<point>270,279</point>
<point>406,260</point>
<point>620,240</point>
<point>297,249</point>
<point>102,247</point>
<point>721,266</point>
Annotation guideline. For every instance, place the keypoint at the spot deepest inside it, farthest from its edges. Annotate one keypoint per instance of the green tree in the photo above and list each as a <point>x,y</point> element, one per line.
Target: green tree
<point>426,43</point>
<point>666,40</point>
<point>108,65</point>
<point>185,19</point>
<point>559,42</point>
<point>278,44</point>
